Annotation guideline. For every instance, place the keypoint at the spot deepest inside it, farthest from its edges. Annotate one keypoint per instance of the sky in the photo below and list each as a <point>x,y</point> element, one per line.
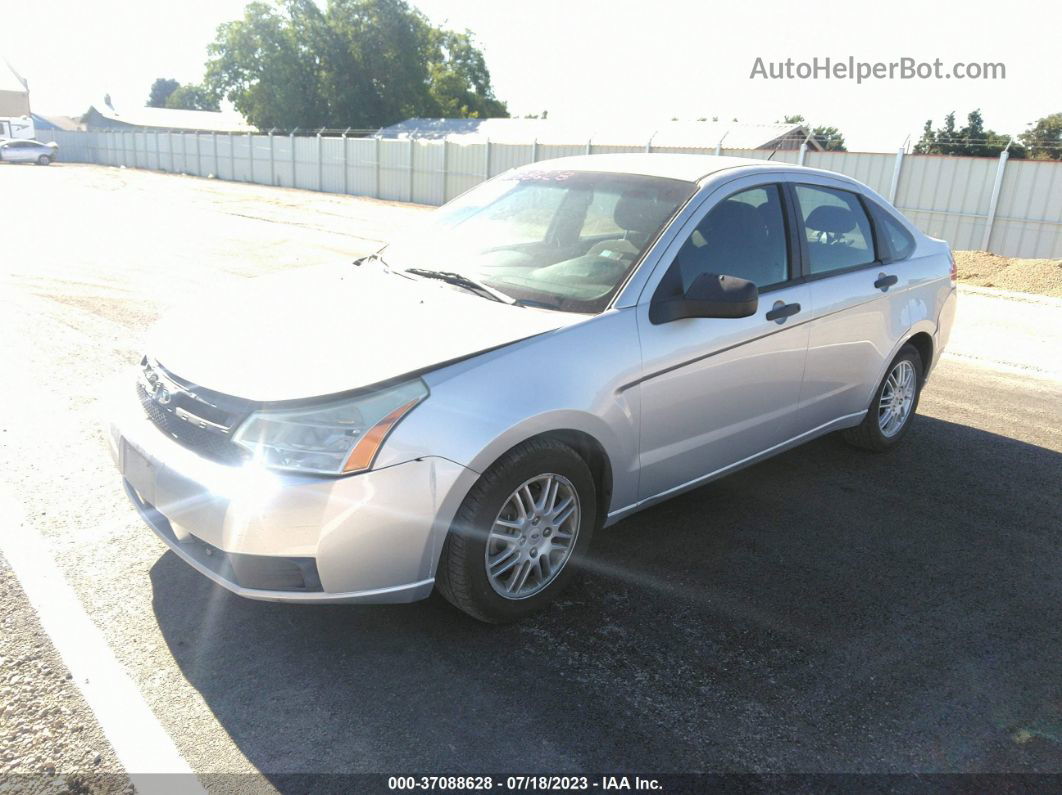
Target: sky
<point>592,62</point>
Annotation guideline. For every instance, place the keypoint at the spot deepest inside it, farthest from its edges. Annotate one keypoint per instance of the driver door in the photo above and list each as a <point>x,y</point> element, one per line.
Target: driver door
<point>716,392</point>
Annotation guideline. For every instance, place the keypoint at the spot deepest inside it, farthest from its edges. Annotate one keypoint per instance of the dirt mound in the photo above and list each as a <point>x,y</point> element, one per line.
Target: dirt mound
<point>1043,276</point>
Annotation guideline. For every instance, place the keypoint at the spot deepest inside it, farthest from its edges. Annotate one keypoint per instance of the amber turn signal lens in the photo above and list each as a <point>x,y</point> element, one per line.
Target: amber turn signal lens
<point>365,450</point>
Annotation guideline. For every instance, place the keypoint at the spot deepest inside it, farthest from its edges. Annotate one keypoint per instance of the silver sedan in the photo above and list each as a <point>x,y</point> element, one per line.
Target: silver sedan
<point>560,347</point>
<point>22,151</point>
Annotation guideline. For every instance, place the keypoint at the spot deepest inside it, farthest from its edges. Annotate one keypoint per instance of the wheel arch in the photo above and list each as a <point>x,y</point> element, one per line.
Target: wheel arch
<point>923,343</point>
<point>587,445</point>
<point>920,335</point>
<point>596,458</point>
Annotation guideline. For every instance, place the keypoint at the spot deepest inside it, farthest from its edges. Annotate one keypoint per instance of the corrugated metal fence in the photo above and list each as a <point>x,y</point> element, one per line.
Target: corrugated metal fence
<point>1009,207</point>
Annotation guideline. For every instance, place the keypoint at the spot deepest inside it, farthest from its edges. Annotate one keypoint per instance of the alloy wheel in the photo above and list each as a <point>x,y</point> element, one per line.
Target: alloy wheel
<point>533,536</point>
<point>897,399</point>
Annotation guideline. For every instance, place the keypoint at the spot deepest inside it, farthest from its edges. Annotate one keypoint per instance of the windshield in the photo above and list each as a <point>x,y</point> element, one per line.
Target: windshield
<point>561,239</point>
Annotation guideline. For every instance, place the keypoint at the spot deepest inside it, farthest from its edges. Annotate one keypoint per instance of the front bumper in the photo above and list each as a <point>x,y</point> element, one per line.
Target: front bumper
<point>373,537</point>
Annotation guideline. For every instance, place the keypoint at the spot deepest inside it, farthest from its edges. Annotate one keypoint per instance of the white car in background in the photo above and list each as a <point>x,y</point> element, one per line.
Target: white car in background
<point>20,151</point>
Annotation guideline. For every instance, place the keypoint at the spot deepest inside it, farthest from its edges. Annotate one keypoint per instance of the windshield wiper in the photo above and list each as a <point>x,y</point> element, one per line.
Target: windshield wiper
<point>467,282</point>
<point>369,258</point>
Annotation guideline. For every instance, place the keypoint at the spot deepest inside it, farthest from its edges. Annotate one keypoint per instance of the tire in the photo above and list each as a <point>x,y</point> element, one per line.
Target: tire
<point>876,432</point>
<point>44,160</point>
<point>462,577</point>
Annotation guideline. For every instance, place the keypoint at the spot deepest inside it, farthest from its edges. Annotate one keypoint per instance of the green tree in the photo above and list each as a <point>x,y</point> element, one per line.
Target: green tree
<point>259,64</point>
<point>972,140</point>
<point>192,97</point>
<point>459,79</point>
<point>373,62</point>
<point>829,138</point>
<point>160,91</point>
<point>1044,140</point>
<point>354,63</point>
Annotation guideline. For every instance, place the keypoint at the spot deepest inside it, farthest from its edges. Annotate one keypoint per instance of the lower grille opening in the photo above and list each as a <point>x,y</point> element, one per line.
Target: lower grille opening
<point>274,574</point>
<point>259,572</point>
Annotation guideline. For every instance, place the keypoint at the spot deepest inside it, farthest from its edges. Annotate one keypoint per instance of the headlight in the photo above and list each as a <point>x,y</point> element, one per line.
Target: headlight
<point>331,438</point>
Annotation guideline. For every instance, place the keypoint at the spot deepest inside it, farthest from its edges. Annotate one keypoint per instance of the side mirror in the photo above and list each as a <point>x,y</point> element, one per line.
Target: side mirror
<point>710,295</point>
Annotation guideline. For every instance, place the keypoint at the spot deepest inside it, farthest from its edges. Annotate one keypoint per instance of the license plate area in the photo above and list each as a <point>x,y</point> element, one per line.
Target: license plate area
<point>140,473</point>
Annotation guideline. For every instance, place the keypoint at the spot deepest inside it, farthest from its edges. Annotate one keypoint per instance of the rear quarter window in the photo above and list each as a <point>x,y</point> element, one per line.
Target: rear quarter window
<point>896,241</point>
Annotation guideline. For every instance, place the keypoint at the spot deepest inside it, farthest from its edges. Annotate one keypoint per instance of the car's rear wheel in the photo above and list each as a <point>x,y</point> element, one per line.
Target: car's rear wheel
<point>520,531</point>
<point>893,406</point>
<point>44,160</point>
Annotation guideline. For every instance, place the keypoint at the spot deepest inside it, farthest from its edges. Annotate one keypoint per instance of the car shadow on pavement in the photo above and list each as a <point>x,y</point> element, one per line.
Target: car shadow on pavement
<point>826,610</point>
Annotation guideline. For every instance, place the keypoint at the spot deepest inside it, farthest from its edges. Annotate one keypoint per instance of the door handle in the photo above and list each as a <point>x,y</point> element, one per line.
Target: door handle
<point>781,310</point>
<point>885,282</point>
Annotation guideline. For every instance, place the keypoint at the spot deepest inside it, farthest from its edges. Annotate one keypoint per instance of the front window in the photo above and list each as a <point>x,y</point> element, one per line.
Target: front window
<point>744,236</point>
<point>560,239</point>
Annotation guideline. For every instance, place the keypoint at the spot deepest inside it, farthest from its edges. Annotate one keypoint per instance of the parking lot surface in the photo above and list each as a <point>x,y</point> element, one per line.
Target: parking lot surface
<point>826,611</point>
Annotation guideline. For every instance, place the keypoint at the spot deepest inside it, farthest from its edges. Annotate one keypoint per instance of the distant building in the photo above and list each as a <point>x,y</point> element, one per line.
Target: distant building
<point>55,122</point>
<point>677,134</point>
<point>105,117</point>
<point>14,92</point>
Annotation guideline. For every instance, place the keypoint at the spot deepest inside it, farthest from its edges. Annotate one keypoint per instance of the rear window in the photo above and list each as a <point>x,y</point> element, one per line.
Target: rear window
<point>837,229</point>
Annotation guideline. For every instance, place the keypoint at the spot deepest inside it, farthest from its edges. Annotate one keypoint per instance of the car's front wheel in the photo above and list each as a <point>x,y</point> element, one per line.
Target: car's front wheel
<point>893,406</point>
<point>520,531</point>
<point>44,160</point>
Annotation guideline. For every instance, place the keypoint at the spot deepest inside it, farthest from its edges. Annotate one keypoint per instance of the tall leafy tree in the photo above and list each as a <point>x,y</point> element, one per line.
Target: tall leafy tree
<point>1044,140</point>
<point>971,140</point>
<point>459,79</point>
<point>260,65</point>
<point>160,91</point>
<point>192,97</point>
<point>354,63</point>
<point>829,138</point>
<point>375,66</point>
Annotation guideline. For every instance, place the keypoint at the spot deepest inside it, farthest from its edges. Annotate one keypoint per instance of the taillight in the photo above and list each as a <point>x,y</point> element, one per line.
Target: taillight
<point>954,268</point>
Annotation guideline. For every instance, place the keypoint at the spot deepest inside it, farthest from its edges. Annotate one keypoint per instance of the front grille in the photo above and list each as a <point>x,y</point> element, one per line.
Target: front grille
<point>211,442</point>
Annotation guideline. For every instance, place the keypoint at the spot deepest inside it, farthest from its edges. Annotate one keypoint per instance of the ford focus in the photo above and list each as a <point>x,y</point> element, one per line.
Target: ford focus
<point>560,347</point>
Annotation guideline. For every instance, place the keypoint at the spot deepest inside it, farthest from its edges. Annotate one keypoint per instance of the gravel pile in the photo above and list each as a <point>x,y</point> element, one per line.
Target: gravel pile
<point>1041,276</point>
<point>49,740</point>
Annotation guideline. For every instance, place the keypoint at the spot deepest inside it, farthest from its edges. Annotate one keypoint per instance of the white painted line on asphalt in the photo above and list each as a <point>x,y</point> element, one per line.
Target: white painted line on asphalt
<point>1014,333</point>
<point>1007,368</point>
<point>138,739</point>
<point>1010,295</point>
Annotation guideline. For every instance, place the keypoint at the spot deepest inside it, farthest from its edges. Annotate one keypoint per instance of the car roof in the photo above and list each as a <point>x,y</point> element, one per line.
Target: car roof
<point>691,168</point>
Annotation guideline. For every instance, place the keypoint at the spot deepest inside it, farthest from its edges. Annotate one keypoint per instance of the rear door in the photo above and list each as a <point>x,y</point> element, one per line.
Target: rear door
<point>853,329</point>
<point>717,391</point>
